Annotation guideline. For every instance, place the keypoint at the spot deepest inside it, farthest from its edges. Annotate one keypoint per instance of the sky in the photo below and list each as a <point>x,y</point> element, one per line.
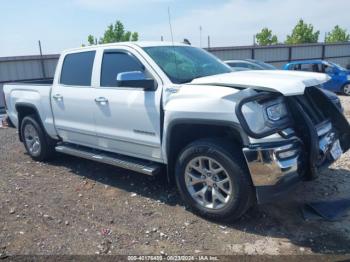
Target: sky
<point>67,23</point>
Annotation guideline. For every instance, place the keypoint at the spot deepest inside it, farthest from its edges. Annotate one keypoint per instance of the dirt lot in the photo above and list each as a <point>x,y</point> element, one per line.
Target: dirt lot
<point>74,206</point>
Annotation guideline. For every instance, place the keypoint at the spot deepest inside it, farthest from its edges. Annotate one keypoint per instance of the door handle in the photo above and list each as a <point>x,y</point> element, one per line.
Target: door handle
<point>58,97</point>
<point>101,100</point>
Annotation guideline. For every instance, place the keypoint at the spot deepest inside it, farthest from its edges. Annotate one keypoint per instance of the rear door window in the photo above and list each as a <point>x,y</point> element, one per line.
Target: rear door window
<point>317,68</point>
<point>296,67</point>
<point>232,64</point>
<point>254,67</point>
<point>307,67</point>
<point>77,69</point>
<point>242,65</point>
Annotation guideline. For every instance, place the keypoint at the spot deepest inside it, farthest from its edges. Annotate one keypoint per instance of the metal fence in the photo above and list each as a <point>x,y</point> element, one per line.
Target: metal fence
<point>279,55</point>
<point>38,67</point>
<point>27,67</point>
<point>22,68</point>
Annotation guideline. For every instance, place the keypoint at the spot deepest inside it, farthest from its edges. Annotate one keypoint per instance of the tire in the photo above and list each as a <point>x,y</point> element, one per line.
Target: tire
<point>219,153</point>
<point>346,89</point>
<point>38,145</point>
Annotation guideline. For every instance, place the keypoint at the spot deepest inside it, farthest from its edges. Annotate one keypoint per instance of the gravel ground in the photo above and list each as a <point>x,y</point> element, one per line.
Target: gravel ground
<point>74,206</point>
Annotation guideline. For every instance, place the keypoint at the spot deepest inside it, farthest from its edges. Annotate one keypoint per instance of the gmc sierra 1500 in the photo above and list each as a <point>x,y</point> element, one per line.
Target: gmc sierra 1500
<point>227,138</point>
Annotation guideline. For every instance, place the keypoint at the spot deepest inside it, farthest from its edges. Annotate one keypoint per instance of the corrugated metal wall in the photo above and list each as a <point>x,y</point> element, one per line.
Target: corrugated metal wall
<point>37,67</point>
<point>26,68</point>
<point>279,55</point>
<point>30,67</point>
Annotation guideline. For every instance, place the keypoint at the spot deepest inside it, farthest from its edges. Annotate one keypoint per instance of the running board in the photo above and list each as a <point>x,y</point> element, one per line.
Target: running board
<point>131,163</point>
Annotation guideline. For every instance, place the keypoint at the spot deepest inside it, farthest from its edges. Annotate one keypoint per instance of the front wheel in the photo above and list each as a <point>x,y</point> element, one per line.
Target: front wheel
<point>213,180</point>
<point>346,89</point>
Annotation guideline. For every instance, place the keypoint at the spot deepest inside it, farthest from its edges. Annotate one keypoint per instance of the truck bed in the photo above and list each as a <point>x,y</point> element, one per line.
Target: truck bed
<point>35,94</point>
<point>46,81</point>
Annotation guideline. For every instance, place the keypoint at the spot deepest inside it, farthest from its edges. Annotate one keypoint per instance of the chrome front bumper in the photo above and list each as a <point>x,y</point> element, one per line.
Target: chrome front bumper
<point>274,168</point>
<point>269,165</point>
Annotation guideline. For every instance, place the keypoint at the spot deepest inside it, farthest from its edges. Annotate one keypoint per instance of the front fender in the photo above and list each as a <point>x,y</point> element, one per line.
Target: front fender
<point>236,127</point>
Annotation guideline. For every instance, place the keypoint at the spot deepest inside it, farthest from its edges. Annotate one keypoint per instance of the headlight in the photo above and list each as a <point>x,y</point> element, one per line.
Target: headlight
<point>276,112</point>
<point>349,77</point>
<point>263,114</point>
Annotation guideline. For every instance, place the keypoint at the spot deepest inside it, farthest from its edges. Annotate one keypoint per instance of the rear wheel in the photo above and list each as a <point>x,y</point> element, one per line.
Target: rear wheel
<point>213,180</point>
<point>346,89</point>
<point>38,145</point>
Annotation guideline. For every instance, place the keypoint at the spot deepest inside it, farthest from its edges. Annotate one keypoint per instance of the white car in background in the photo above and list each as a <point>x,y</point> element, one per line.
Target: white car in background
<point>249,64</point>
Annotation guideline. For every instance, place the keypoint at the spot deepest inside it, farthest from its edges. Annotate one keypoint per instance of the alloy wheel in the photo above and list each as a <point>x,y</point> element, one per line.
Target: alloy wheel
<point>346,89</point>
<point>208,182</point>
<point>32,140</point>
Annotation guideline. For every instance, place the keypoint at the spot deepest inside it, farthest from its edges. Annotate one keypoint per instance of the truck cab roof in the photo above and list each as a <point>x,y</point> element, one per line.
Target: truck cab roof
<point>140,44</point>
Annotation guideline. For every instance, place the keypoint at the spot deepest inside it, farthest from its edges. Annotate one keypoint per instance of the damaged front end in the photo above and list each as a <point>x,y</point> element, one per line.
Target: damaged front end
<point>313,134</point>
<point>322,127</point>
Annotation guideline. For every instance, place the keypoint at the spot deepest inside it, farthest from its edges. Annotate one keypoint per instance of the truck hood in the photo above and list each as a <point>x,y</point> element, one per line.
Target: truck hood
<point>288,83</point>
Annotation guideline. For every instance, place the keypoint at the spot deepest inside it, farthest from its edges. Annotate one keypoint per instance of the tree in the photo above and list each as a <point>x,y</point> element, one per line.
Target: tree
<point>92,40</point>
<point>265,37</point>
<point>134,36</point>
<point>338,34</point>
<point>114,33</point>
<point>303,33</point>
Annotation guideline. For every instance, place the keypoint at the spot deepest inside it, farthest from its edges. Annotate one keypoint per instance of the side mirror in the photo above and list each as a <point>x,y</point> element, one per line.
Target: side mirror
<point>135,79</point>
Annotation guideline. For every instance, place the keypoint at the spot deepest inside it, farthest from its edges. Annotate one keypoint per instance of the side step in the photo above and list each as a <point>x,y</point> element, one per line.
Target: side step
<point>131,163</point>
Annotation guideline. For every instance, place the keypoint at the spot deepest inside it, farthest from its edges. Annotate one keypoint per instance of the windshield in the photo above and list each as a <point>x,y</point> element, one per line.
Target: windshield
<point>182,64</point>
<point>338,66</point>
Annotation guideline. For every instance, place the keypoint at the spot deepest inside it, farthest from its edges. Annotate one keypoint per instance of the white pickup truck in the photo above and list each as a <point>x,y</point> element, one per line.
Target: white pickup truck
<point>226,138</point>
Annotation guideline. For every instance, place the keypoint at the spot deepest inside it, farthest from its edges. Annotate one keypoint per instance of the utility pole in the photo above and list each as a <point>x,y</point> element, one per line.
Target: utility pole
<point>161,38</point>
<point>200,36</point>
<point>42,60</point>
<point>208,41</point>
<point>254,42</point>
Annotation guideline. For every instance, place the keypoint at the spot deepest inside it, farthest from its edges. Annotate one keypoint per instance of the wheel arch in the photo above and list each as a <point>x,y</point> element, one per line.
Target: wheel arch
<point>345,83</point>
<point>181,132</point>
<point>23,110</point>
